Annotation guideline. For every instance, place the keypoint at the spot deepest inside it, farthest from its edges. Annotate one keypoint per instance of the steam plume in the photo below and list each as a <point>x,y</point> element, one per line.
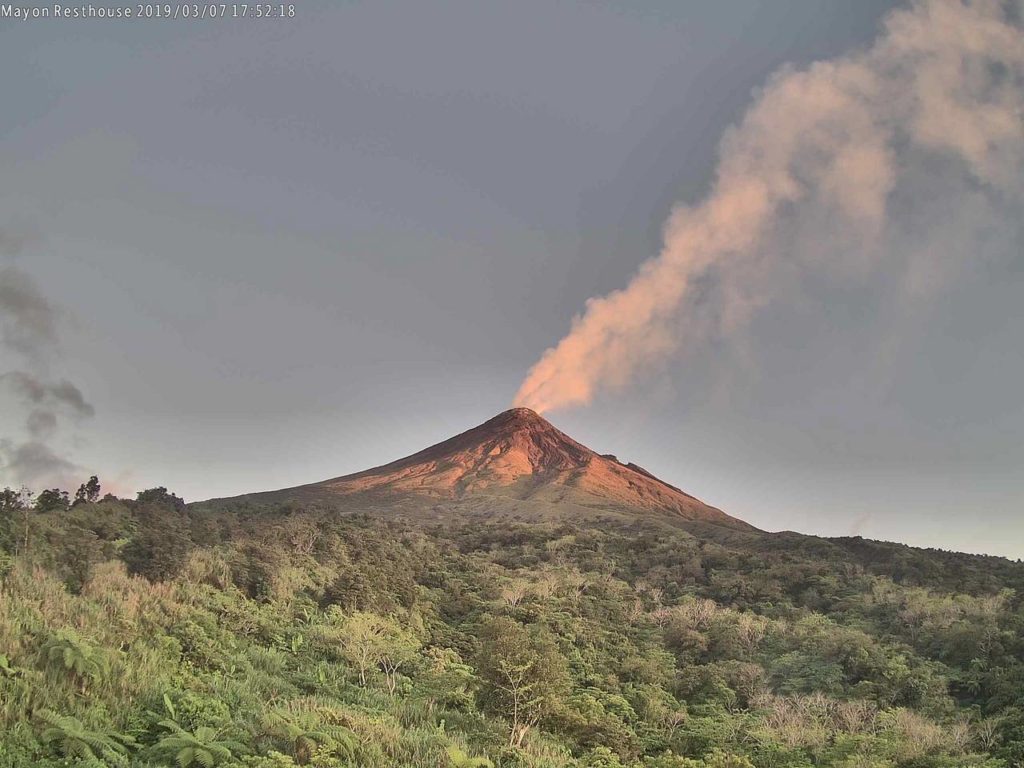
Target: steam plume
<point>911,151</point>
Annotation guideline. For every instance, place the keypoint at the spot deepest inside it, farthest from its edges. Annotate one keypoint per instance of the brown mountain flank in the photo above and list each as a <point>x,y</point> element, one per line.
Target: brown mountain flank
<point>515,463</point>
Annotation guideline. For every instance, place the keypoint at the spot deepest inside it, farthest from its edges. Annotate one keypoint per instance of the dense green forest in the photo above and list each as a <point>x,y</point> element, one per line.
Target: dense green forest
<point>150,633</point>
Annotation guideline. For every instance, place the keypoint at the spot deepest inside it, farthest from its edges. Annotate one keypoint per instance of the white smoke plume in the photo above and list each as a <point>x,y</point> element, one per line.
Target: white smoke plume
<point>910,152</point>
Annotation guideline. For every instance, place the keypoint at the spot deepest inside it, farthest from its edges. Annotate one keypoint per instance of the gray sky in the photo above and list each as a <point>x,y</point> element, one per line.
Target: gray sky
<point>278,251</point>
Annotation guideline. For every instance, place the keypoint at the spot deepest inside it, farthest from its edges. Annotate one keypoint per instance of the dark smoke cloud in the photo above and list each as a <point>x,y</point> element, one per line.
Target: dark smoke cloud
<point>41,393</point>
<point>29,328</point>
<point>28,321</point>
<point>35,464</point>
<point>41,425</point>
<point>13,243</point>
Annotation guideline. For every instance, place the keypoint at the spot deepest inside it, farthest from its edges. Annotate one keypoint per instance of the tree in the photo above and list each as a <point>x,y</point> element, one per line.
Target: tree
<point>445,679</point>
<point>396,648</point>
<point>204,747</point>
<point>52,500</point>
<point>14,512</point>
<point>370,641</point>
<point>88,492</point>
<point>601,757</point>
<point>80,551</point>
<point>77,741</point>
<point>525,675</point>
<point>160,544</point>
<point>11,501</point>
<point>720,759</point>
<point>161,496</point>
<point>360,641</point>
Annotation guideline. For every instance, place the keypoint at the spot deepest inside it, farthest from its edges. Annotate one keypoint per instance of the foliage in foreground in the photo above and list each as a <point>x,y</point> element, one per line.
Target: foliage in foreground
<point>145,633</point>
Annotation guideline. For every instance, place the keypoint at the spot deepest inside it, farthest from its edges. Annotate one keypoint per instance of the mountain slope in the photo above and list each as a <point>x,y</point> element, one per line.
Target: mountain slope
<point>519,463</point>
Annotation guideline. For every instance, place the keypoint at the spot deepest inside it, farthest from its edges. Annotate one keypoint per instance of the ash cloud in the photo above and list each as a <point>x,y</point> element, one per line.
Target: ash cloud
<point>41,425</point>
<point>28,321</point>
<point>37,392</point>
<point>13,243</point>
<point>905,159</point>
<point>29,324</point>
<point>35,464</point>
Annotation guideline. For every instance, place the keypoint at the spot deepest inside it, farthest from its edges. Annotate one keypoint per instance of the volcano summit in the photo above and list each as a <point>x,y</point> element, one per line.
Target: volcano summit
<point>516,463</point>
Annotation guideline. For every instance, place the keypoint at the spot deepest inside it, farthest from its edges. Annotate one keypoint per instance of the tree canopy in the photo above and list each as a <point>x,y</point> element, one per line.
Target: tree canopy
<point>149,633</point>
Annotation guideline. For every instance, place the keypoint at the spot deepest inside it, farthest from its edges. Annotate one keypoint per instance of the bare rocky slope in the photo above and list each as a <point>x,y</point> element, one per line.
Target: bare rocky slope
<point>516,464</point>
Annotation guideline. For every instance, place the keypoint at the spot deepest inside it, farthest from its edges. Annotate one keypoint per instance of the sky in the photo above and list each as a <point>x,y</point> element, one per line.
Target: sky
<point>239,255</point>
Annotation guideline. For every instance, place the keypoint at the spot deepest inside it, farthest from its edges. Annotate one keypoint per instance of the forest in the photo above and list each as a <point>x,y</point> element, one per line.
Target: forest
<point>148,632</point>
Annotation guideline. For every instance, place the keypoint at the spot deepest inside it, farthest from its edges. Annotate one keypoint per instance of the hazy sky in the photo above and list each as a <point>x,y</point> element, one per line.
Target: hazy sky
<point>272,252</point>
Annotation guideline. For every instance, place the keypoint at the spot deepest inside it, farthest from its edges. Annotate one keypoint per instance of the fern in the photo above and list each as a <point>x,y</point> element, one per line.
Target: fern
<point>73,739</point>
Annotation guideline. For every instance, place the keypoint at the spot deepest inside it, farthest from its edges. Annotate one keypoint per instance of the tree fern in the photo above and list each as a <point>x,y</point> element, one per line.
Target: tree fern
<point>69,653</point>
<point>73,739</point>
<point>304,732</point>
<point>204,747</point>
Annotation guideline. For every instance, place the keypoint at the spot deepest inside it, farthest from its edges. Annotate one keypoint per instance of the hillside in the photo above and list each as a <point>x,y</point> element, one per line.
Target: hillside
<point>506,597</point>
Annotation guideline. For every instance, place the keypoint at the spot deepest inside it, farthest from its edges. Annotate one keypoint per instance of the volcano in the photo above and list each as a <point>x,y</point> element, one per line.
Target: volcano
<point>516,463</point>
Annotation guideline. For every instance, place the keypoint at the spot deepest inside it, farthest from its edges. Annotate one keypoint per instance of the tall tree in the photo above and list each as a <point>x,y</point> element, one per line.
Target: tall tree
<point>161,496</point>
<point>360,641</point>
<point>397,648</point>
<point>524,673</point>
<point>11,501</point>
<point>88,492</point>
<point>160,544</point>
<point>52,500</point>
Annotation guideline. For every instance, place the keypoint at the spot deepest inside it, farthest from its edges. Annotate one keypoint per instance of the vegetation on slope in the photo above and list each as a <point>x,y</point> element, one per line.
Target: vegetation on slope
<point>148,633</point>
